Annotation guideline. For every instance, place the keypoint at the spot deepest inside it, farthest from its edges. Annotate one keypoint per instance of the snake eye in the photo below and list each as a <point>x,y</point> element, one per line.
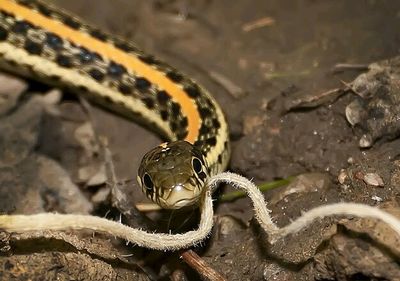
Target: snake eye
<point>148,183</point>
<point>197,166</point>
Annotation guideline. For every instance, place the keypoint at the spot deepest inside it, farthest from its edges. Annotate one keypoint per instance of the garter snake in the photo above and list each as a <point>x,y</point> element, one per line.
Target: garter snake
<point>47,44</point>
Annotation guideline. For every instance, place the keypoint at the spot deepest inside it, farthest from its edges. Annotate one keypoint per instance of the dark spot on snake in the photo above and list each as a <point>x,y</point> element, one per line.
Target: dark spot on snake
<point>163,97</point>
<point>142,84</point>
<point>148,102</point>
<point>21,27</point>
<point>216,123</point>
<point>181,132</point>
<point>204,112</point>
<point>32,47</point>
<point>3,34</point>
<point>209,103</point>
<point>184,122</point>
<point>181,135</point>
<point>27,3</point>
<point>175,108</point>
<point>96,56</point>
<point>123,46</point>
<point>73,45</point>
<point>85,56</point>
<point>204,129</point>
<point>124,89</point>
<point>198,154</point>
<point>82,88</point>
<point>43,10</point>
<point>96,74</point>
<point>226,145</point>
<point>10,62</point>
<point>6,14</point>
<point>211,141</point>
<point>173,125</point>
<point>198,143</point>
<point>54,78</point>
<point>174,76</point>
<point>63,61</point>
<point>220,158</point>
<point>107,99</point>
<point>147,59</point>
<point>98,34</point>
<point>53,41</point>
<point>29,67</point>
<point>71,22</point>
<point>164,115</point>
<point>192,91</point>
<point>115,69</point>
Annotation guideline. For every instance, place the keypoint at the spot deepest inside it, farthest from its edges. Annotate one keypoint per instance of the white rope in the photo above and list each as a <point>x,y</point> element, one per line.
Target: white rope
<point>162,241</point>
<point>159,241</point>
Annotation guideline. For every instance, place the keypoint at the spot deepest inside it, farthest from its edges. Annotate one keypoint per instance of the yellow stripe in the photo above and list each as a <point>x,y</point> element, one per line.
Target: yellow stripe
<point>112,53</point>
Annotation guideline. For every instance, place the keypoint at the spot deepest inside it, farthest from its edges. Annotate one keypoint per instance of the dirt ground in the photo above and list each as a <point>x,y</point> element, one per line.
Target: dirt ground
<point>292,111</point>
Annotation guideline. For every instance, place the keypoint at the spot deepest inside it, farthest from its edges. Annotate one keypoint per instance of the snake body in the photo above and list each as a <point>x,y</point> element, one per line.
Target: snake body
<point>48,44</point>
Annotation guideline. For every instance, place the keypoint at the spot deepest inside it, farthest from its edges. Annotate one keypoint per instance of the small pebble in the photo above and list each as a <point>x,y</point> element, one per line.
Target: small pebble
<point>373,179</point>
<point>353,112</point>
<point>377,198</point>
<point>365,141</point>
<point>342,176</point>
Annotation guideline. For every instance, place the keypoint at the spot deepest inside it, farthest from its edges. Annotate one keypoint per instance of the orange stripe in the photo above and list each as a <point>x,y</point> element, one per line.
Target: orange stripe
<point>112,53</point>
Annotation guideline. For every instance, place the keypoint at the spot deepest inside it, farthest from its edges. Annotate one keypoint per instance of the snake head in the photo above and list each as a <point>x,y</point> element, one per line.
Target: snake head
<point>173,174</point>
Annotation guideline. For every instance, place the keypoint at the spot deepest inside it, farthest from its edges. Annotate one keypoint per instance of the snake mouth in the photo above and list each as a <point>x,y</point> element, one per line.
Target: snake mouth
<point>179,198</point>
<point>183,203</point>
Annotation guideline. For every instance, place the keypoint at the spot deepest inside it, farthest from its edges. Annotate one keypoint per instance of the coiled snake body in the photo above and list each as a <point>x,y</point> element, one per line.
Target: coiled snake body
<point>39,41</point>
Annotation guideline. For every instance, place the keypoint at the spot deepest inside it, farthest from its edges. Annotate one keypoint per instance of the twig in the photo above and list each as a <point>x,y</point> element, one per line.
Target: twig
<point>231,87</point>
<point>203,268</point>
<point>339,67</point>
<point>230,196</point>
<point>265,21</point>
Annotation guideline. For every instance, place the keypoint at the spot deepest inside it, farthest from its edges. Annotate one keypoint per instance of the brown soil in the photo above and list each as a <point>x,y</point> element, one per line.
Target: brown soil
<point>270,64</point>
